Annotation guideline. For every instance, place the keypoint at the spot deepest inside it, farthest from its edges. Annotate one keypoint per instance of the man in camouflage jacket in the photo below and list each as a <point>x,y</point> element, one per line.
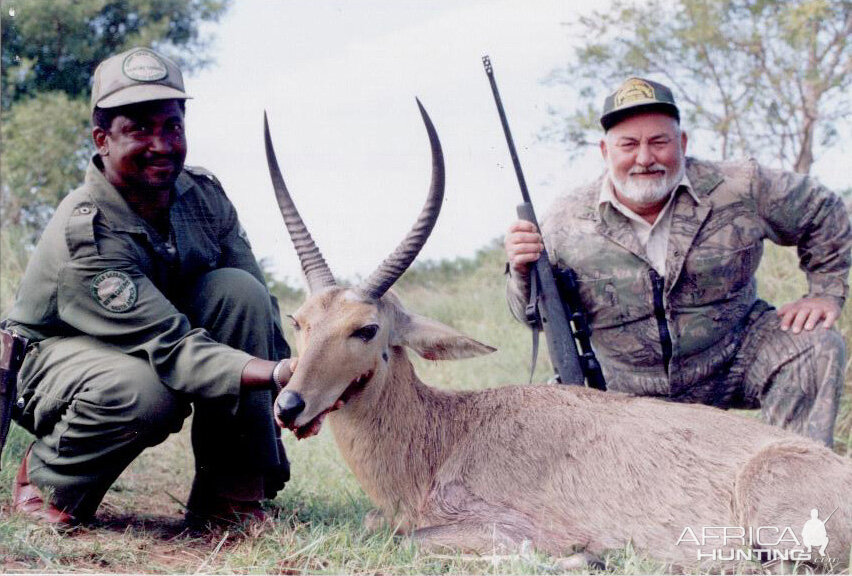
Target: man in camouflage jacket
<point>666,247</point>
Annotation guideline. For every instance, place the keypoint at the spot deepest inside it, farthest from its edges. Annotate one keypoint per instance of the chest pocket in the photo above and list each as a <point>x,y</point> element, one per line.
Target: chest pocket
<point>716,276</point>
<point>199,250</point>
<point>614,301</point>
<point>195,236</point>
<point>613,283</point>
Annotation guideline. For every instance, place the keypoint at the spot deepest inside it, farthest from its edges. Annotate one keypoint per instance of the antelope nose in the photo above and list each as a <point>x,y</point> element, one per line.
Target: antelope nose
<point>288,406</point>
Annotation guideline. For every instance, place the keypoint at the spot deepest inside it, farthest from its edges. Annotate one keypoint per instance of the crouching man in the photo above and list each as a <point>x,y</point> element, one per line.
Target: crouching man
<point>143,299</point>
<point>666,248</point>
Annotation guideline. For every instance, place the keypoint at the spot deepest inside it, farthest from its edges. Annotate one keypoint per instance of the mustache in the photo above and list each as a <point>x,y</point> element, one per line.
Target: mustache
<point>174,159</point>
<point>648,170</point>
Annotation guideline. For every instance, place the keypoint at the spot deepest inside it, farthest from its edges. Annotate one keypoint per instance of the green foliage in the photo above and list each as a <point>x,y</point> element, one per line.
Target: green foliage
<point>278,288</point>
<point>431,273</point>
<point>768,77</point>
<point>13,262</point>
<point>51,45</point>
<point>45,147</point>
<point>50,49</point>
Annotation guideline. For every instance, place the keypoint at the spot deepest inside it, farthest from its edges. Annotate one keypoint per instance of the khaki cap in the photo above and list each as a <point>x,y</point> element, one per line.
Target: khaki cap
<point>638,95</point>
<point>137,75</point>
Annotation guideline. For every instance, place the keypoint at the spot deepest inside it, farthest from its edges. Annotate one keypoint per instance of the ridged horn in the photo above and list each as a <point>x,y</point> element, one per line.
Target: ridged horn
<point>394,265</point>
<point>317,272</point>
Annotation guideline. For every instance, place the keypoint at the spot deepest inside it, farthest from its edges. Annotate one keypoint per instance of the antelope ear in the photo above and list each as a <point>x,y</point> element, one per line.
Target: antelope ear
<point>435,341</point>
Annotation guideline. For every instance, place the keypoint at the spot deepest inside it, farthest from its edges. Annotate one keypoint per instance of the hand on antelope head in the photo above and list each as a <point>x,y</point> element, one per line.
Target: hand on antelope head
<point>349,345</point>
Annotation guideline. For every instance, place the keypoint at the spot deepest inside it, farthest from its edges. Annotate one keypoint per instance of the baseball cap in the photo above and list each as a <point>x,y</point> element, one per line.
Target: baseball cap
<point>638,95</point>
<point>137,75</point>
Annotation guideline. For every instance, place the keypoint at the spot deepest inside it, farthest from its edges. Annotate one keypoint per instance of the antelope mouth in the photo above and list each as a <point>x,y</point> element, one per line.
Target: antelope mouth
<point>312,428</point>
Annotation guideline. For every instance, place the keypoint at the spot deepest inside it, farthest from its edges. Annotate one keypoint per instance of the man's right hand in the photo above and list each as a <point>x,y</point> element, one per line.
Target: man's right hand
<point>523,246</point>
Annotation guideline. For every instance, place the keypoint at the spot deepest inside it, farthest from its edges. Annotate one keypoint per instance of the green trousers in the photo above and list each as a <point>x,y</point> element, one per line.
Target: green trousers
<point>94,409</point>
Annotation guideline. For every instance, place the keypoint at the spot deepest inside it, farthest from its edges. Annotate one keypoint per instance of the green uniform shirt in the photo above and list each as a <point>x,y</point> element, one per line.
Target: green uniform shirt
<point>100,269</point>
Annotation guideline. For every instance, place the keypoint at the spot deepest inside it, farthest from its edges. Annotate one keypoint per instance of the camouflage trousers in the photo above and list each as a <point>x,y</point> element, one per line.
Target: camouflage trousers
<point>795,379</point>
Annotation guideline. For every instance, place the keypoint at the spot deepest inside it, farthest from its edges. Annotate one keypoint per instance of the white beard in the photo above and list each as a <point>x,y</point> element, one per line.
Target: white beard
<point>648,190</point>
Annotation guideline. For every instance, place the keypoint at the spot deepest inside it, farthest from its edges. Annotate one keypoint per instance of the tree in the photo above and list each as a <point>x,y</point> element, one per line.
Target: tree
<point>50,49</point>
<point>769,77</point>
<point>46,146</point>
<point>53,45</point>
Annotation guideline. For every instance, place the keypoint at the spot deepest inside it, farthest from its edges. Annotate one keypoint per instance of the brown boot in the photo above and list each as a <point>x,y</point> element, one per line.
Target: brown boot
<point>28,500</point>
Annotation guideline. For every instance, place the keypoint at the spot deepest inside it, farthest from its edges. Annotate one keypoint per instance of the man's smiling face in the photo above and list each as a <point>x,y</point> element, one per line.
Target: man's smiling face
<point>145,146</point>
<point>645,157</point>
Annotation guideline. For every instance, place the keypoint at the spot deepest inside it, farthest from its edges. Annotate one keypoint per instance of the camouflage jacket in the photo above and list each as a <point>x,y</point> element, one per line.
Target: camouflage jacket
<point>652,334</point>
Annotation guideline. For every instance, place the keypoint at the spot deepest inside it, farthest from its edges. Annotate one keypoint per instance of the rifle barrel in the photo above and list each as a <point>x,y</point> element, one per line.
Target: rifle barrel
<point>486,61</point>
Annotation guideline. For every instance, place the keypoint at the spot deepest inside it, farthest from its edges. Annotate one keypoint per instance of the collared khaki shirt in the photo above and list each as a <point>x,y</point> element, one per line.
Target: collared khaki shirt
<point>101,270</point>
<point>654,238</point>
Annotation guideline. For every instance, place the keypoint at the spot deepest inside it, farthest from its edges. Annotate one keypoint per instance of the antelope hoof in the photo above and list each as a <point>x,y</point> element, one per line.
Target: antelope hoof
<point>374,521</point>
<point>580,561</point>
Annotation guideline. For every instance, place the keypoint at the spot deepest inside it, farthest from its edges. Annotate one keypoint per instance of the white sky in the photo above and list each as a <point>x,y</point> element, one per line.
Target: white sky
<point>338,79</point>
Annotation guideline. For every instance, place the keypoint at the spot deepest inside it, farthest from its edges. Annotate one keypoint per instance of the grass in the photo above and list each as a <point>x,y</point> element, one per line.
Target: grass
<point>320,511</point>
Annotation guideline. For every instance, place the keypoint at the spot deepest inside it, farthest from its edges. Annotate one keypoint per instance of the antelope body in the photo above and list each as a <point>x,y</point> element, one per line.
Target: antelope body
<point>563,468</point>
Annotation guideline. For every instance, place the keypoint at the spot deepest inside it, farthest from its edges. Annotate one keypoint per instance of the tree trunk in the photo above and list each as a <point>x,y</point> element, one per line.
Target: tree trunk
<point>805,157</point>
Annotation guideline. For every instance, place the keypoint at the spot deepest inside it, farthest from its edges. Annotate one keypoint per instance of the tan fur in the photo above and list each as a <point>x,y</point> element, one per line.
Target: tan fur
<point>563,468</point>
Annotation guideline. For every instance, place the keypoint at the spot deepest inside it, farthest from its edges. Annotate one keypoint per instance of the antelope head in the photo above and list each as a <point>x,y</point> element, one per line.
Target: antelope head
<point>346,337</point>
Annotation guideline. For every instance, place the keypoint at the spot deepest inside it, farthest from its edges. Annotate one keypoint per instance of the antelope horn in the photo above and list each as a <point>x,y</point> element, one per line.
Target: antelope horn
<point>317,272</point>
<point>394,265</point>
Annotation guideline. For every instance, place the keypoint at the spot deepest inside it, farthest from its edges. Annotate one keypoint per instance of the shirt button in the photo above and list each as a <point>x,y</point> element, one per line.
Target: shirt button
<point>20,403</point>
<point>84,209</point>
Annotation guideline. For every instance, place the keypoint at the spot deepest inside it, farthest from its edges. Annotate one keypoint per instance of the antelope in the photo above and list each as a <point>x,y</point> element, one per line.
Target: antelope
<point>558,468</point>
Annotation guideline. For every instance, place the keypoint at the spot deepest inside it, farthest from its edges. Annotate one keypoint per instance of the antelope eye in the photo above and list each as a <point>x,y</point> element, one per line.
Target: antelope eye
<point>366,333</point>
<point>294,322</point>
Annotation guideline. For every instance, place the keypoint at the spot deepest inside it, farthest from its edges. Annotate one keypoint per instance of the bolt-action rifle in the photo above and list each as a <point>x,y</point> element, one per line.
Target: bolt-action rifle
<point>554,303</point>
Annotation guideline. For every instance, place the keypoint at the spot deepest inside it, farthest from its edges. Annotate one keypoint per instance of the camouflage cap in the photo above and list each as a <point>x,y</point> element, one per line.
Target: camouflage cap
<point>637,95</point>
<point>137,75</point>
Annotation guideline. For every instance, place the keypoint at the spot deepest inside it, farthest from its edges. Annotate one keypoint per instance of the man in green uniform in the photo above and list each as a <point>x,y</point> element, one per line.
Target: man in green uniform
<point>142,299</point>
<point>666,247</point>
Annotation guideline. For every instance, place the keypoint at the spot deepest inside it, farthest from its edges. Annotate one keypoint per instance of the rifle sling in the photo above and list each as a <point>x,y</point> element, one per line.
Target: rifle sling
<point>532,313</point>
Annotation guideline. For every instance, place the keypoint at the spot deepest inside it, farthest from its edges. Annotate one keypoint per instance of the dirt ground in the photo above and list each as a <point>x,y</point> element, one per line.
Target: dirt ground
<point>139,527</point>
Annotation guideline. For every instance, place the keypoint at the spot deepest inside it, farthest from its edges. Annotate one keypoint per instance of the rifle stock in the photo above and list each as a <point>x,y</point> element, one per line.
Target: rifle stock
<point>12,350</point>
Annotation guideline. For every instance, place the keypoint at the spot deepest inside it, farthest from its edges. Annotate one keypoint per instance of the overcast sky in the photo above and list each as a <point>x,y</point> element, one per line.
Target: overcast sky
<point>338,79</point>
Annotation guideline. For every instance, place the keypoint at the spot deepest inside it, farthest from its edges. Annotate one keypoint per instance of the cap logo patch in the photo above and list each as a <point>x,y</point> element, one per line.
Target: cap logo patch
<point>114,291</point>
<point>144,66</point>
<point>632,91</point>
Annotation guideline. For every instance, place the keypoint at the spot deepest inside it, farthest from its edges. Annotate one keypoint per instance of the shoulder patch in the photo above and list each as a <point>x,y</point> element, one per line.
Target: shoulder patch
<point>199,171</point>
<point>80,231</point>
<point>114,290</point>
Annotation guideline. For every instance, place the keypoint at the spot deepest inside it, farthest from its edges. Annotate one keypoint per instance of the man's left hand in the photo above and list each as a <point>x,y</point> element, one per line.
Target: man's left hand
<point>807,312</point>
